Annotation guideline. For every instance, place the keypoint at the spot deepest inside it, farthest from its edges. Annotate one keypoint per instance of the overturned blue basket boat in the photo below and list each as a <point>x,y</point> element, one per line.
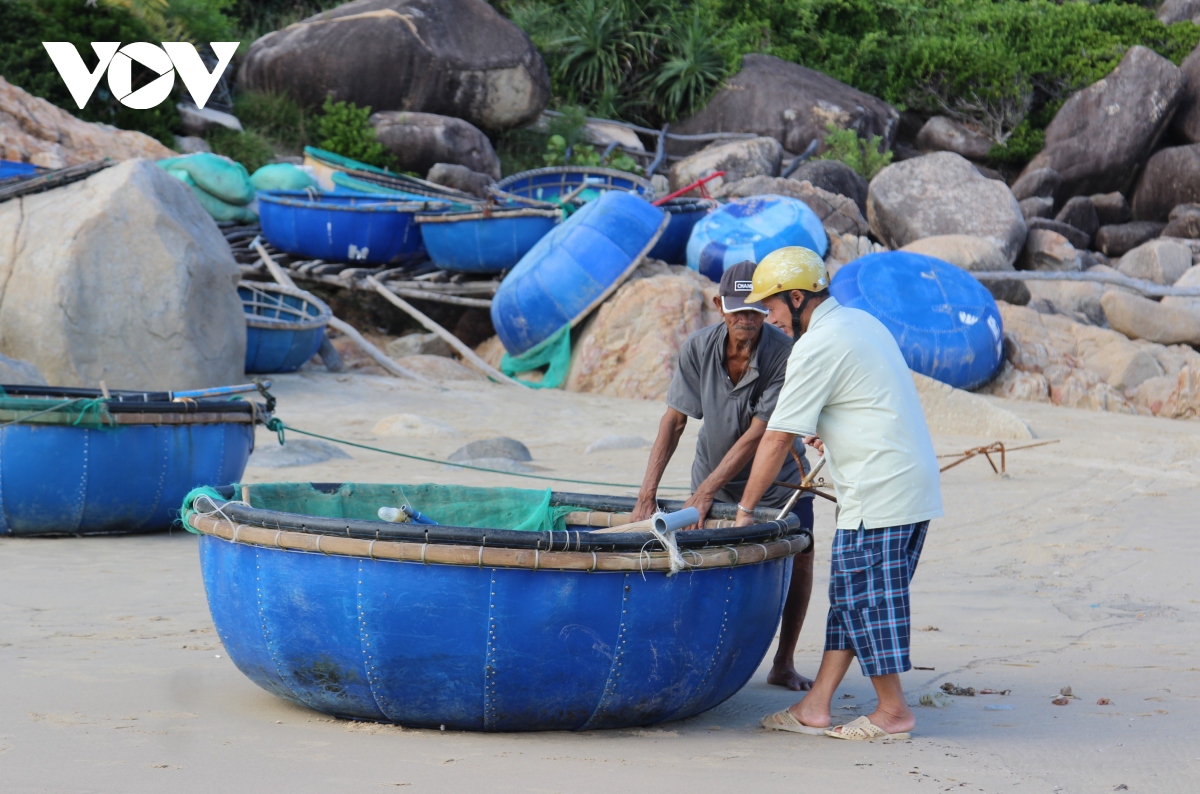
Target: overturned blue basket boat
<point>342,227</point>
<point>946,323</point>
<point>749,229</point>
<point>486,629</point>
<point>574,268</point>
<point>581,183</point>
<point>684,213</point>
<point>73,462</point>
<point>485,240</point>
<point>284,326</point>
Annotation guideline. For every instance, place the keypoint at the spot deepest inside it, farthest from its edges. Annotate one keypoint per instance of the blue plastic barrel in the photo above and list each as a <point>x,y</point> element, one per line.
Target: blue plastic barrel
<point>685,213</point>
<point>749,229</point>
<point>341,227</point>
<point>484,242</point>
<point>945,321</point>
<point>284,326</point>
<point>573,268</point>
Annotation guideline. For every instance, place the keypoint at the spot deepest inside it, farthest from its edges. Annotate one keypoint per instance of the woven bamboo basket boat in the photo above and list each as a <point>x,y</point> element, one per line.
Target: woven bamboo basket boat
<point>79,462</point>
<point>550,627</point>
<point>284,326</point>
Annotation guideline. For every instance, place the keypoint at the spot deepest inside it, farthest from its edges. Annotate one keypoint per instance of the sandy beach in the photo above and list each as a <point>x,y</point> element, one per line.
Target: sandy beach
<point>1076,569</point>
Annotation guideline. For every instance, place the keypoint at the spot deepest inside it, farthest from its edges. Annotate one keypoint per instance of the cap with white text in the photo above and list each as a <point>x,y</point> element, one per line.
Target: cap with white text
<point>736,284</point>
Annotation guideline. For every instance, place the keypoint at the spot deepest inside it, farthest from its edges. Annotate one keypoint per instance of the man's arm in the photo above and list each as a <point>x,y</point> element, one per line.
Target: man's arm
<point>741,453</point>
<point>670,430</point>
<point>772,450</point>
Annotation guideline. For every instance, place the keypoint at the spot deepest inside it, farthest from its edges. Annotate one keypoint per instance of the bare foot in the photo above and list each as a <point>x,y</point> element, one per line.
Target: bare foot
<point>787,677</point>
<point>811,714</point>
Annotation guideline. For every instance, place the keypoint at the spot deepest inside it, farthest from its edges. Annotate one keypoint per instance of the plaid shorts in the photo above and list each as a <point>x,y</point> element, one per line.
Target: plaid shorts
<point>870,571</point>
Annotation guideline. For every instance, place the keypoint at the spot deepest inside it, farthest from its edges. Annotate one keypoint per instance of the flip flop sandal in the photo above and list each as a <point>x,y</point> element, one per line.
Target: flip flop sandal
<point>784,721</point>
<point>863,730</point>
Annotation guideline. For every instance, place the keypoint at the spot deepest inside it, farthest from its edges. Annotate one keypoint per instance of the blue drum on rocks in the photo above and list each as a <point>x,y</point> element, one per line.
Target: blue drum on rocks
<point>946,323</point>
<point>749,229</point>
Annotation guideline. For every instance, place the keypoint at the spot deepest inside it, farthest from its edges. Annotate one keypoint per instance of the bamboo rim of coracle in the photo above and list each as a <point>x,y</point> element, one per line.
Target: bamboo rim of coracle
<point>731,556</point>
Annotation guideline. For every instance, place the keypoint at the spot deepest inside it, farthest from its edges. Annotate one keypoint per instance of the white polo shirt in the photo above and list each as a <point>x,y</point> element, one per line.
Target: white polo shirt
<point>848,383</point>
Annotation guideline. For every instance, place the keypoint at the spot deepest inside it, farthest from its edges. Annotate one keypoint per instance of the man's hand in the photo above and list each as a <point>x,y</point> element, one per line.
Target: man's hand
<point>816,443</point>
<point>646,506</point>
<point>702,501</point>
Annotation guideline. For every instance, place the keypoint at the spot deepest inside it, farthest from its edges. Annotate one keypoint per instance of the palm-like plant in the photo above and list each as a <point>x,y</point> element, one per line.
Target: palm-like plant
<point>693,69</point>
<point>600,49</point>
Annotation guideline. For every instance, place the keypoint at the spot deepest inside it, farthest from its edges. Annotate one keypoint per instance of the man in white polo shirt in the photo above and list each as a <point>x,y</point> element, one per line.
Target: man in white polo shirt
<point>847,385</point>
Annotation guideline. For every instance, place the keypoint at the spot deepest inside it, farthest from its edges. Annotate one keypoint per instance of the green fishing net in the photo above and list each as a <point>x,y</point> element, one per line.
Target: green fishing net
<point>553,353</point>
<point>449,505</point>
<point>79,412</point>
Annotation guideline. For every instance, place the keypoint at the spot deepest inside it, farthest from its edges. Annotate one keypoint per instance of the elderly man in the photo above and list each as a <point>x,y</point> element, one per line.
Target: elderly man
<point>729,376</point>
<point>848,384</point>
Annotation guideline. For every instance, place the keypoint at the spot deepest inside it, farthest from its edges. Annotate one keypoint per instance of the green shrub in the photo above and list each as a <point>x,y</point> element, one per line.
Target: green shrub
<point>25,24</point>
<point>197,21</point>
<point>586,156</point>
<point>343,129</point>
<point>248,148</point>
<point>274,116</point>
<point>864,156</point>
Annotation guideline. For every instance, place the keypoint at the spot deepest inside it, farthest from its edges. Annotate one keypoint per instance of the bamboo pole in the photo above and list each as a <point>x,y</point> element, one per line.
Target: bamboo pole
<point>1147,288</point>
<point>377,355</point>
<point>467,353</point>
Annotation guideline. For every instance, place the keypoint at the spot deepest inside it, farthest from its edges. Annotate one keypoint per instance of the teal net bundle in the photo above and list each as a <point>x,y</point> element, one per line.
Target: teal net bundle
<point>79,412</point>
<point>554,353</point>
<point>449,505</point>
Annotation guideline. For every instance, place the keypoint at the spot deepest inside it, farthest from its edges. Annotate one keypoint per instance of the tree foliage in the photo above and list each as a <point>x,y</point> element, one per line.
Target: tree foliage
<point>1003,66</point>
<point>866,156</point>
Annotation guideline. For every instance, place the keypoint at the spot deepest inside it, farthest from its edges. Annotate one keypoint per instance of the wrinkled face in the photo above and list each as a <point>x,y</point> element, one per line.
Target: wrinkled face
<point>742,326</point>
<point>780,313</point>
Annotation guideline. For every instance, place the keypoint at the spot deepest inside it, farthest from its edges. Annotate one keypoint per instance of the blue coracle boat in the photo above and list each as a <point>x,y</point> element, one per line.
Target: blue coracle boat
<point>77,463</point>
<point>583,184</point>
<point>749,229</point>
<point>284,326</point>
<point>684,213</point>
<point>946,323</point>
<point>341,227</point>
<point>484,240</point>
<point>485,629</point>
<point>574,267</point>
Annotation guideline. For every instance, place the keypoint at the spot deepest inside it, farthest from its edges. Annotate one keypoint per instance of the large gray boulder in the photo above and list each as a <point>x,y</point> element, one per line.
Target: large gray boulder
<point>791,103</point>
<point>1142,318</point>
<point>738,159</point>
<point>1172,11</point>
<point>1171,177</point>
<point>461,178</point>
<point>420,141</point>
<point>124,278</point>
<point>1186,122</point>
<point>456,58</point>
<point>1103,132</point>
<point>941,134</point>
<point>836,177</point>
<point>1116,239</point>
<point>1047,250</point>
<point>1160,261</point>
<point>943,194</point>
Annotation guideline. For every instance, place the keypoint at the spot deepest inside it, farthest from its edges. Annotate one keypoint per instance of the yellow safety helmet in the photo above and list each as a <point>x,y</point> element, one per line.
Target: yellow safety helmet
<point>786,269</point>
